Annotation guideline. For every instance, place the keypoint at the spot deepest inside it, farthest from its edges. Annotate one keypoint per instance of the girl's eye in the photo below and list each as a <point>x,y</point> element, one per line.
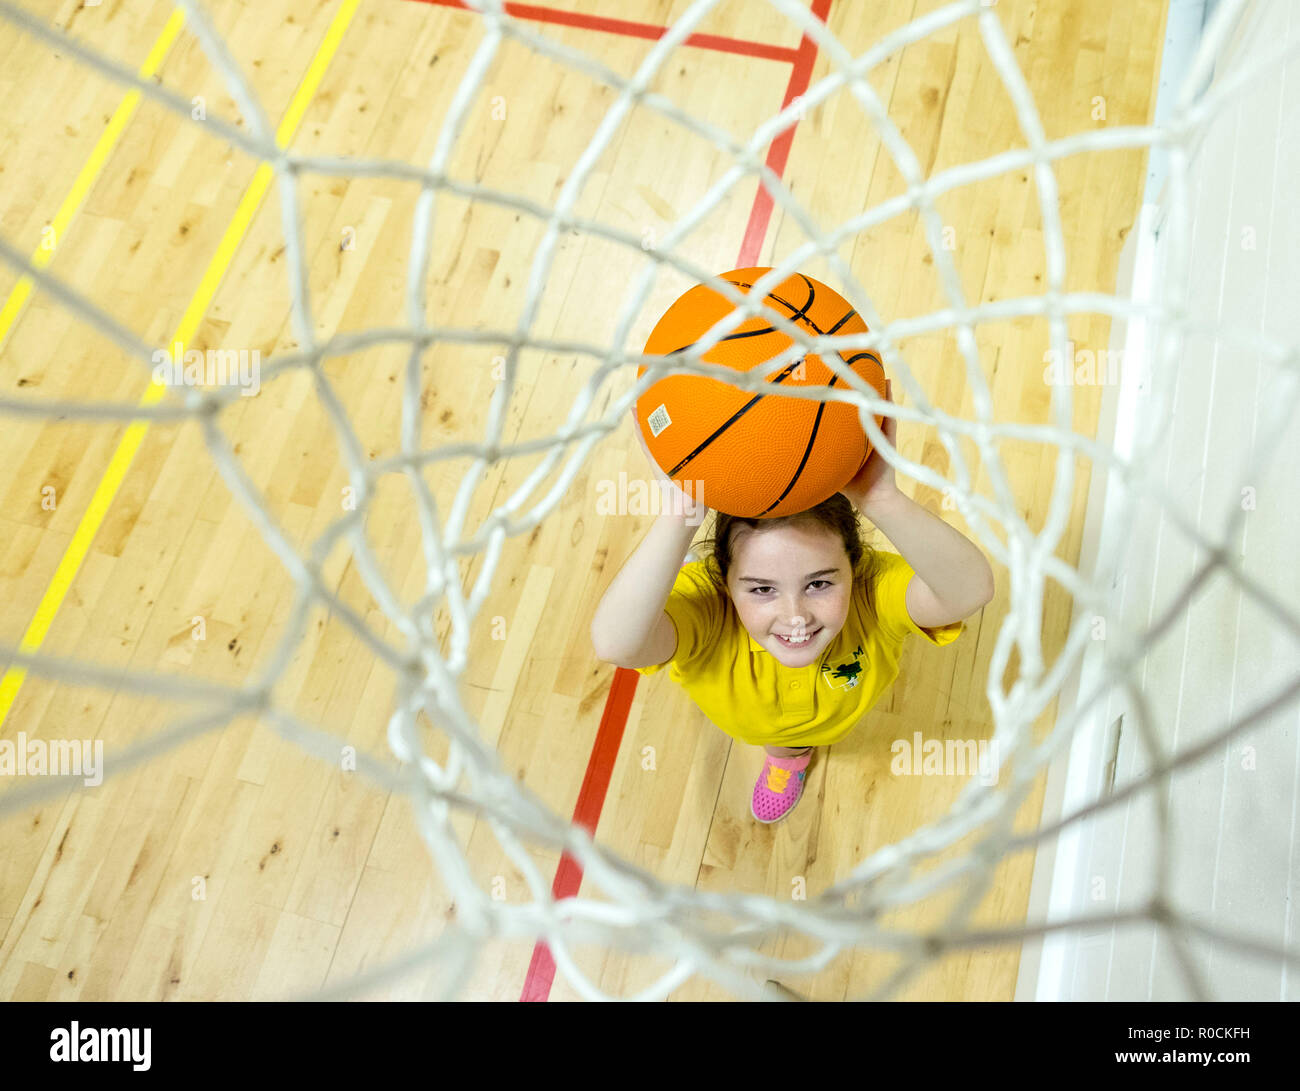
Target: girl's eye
<point>756,590</point>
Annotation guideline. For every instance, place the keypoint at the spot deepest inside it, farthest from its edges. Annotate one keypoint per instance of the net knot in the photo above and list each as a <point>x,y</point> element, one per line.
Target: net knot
<point>1181,129</point>
<point>197,401</point>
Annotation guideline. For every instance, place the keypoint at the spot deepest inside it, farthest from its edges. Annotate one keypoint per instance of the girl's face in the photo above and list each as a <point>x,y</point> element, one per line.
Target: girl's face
<point>792,581</point>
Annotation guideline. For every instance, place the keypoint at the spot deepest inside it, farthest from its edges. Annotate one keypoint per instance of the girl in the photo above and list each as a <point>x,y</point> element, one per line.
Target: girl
<point>791,628</point>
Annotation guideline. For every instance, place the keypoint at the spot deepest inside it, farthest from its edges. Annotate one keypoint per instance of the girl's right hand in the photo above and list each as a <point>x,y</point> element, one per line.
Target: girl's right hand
<point>678,502</point>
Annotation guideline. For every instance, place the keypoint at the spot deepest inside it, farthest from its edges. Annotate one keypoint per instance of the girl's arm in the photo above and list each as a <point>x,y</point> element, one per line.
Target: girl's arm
<point>954,576</point>
<point>631,608</point>
<point>631,613</point>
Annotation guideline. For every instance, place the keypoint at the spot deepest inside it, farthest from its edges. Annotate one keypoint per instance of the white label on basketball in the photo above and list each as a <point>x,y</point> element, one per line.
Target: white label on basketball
<point>659,421</point>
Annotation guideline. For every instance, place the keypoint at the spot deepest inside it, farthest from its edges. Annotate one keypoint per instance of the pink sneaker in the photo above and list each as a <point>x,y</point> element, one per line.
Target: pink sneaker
<point>779,787</point>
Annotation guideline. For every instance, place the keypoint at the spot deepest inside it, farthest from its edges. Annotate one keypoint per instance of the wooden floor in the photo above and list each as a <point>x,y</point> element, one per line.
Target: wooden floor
<point>310,875</point>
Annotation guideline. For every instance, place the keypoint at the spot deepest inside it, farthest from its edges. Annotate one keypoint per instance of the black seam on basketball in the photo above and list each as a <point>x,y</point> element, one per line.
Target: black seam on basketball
<point>807,453</point>
<point>841,322</point>
<point>785,374</point>
<point>803,311</point>
<point>729,337</point>
<point>800,313</point>
<point>796,314</point>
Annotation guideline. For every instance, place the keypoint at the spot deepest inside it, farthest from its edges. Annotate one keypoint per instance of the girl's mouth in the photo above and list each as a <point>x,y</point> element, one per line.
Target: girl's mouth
<point>789,643</point>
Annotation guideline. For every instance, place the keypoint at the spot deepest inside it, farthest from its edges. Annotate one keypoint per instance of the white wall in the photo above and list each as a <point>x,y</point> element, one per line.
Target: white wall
<point>1234,858</point>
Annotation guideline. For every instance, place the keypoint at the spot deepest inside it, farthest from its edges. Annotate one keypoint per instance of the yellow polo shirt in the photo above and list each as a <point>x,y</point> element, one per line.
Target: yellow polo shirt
<point>740,686</point>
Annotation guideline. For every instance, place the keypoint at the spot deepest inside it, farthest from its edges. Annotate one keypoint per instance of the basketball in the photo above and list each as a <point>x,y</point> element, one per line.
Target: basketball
<point>751,454</point>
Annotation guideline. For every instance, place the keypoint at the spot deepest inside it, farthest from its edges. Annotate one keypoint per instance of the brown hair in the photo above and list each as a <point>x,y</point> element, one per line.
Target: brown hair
<point>837,514</point>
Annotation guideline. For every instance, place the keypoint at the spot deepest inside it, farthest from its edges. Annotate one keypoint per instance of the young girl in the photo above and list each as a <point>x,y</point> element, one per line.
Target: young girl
<point>791,628</point>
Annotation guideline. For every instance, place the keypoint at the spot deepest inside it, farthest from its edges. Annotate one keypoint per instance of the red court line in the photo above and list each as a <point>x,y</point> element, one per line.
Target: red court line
<point>604,752</point>
<point>717,42</point>
<point>760,214</point>
<point>586,813</point>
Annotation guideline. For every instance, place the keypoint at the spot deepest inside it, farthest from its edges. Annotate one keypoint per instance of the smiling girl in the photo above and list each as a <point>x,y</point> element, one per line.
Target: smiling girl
<point>790,629</point>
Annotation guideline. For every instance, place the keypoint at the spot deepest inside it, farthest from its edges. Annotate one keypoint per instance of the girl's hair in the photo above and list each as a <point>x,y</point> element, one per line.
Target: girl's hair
<point>837,514</point>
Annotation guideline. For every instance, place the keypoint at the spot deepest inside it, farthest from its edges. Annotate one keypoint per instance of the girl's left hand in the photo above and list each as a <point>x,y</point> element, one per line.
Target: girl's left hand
<point>875,480</point>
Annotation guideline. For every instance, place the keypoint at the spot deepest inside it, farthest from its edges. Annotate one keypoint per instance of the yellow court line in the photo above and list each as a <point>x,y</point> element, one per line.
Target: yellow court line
<point>90,171</point>
<point>189,324</point>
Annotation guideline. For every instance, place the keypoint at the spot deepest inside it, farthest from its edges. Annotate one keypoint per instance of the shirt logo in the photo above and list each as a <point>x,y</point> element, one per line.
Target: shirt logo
<point>845,674</point>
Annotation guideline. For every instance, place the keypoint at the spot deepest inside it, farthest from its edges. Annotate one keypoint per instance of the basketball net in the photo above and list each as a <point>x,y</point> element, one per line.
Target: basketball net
<point>714,935</point>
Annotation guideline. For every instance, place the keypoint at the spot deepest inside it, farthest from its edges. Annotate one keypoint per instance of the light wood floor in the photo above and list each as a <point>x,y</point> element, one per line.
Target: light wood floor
<point>312,875</point>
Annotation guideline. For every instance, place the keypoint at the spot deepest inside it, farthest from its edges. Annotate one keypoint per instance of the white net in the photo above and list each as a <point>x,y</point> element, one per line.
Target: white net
<point>714,935</point>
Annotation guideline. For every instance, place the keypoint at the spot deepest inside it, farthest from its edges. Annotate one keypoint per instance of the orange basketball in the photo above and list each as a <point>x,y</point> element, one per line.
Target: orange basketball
<point>756,455</point>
